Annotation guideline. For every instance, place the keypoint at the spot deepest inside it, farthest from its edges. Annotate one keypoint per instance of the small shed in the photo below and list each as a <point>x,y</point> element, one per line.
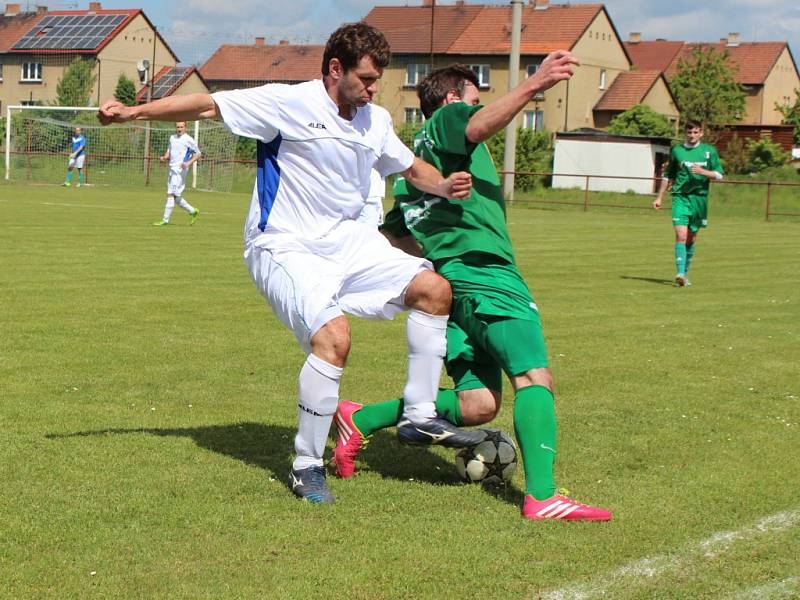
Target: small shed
<point>617,163</point>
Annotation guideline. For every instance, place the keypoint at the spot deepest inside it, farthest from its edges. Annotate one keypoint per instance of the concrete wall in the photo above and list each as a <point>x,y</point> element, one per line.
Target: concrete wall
<point>606,158</point>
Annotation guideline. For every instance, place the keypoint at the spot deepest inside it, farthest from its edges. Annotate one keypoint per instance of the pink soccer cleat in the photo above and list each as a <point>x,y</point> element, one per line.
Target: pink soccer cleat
<point>349,440</point>
<point>561,508</point>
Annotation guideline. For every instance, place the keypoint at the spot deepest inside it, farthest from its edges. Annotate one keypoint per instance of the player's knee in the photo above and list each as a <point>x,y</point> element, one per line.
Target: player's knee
<point>332,341</point>
<point>479,406</point>
<point>542,377</point>
<point>430,293</point>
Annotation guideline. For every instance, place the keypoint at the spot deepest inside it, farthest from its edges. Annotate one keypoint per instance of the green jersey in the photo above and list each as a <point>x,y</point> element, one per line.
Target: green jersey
<point>679,170</point>
<point>448,228</point>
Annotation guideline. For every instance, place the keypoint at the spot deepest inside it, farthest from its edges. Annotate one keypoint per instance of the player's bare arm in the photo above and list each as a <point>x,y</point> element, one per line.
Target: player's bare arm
<point>407,243</point>
<point>665,184</point>
<point>192,160</point>
<point>698,170</point>
<point>557,66</point>
<point>426,178</point>
<point>173,108</point>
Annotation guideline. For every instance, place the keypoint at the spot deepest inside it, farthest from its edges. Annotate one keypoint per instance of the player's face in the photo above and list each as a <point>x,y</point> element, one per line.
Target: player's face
<point>78,131</point>
<point>470,95</point>
<point>360,84</point>
<point>180,128</point>
<point>694,135</point>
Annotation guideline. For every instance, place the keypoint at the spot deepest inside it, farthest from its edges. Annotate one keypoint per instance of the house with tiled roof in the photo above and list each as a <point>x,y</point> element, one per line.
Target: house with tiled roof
<point>767,70</point>
<point>235,66</point>
<point>433,36</point>
<point>648,87</point>
<point>37,47</point>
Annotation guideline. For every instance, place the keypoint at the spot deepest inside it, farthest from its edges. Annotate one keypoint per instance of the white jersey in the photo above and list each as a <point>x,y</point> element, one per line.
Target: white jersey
<point>313,167</point>
<point>181,149</point>
<point>377,187</point>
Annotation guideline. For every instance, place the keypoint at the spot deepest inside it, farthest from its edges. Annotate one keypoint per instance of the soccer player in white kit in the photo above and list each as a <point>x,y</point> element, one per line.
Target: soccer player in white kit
<point>182,152</point>
<point>317,143</point>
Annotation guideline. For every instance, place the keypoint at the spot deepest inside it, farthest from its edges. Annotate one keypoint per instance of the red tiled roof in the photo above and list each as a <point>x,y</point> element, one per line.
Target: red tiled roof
<point>284,62</point>
<point>480,29</point>
<point>14,27</point>
<point>185,73</point>
<point>754,60</point>
<point>628,90</point>
<point>657,54</point>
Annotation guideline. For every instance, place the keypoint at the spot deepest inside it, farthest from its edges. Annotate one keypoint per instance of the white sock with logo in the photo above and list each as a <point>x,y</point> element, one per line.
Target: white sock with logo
<point>168,208</point>
<point>427,345</point>
<point>185,205</point>
<point>319,396</point>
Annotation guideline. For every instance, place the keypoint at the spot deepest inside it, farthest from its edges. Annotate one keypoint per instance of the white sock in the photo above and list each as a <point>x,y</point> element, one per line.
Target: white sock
<point>168,208</point>
<point>427,345</point>
<point>319,395</point>
<point>185,205</point>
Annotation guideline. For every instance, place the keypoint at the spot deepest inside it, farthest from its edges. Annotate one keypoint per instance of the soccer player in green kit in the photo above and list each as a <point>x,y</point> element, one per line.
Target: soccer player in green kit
<point>494,323</point>
<point>692,166</point>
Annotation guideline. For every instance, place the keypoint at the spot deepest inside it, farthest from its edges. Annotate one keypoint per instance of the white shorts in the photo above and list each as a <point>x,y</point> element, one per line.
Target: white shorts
<point>176,182</point>
<point>77,162</point>
<point>352,270</point>
<point>372,213</point>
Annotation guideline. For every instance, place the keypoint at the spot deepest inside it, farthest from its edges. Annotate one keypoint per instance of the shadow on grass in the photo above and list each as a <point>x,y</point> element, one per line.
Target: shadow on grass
<point>669,282</point>
<point>269,447</point>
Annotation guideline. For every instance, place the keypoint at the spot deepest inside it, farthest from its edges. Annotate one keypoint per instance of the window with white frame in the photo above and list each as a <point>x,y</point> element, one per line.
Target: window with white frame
<point>413,115</point>
<point>416,73</point>
<point>533,119</point>
<point>602,82</point>
<point>31,71</point>
<point>482,73</point>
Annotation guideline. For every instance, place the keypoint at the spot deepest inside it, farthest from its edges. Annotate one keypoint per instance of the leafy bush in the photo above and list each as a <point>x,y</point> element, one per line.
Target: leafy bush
<point>765,154</point>
<point>641,120</point>
<point>534,154</point>
<point>735,156</point>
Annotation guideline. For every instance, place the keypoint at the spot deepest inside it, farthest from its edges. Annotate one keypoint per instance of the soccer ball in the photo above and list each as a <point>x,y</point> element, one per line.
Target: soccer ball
<point>490,462</point>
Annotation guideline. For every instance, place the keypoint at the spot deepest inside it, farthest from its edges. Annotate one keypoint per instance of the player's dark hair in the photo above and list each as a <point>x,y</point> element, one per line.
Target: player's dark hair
<point>432,90</point>
<point>352,42</point>
<point>692,124</point>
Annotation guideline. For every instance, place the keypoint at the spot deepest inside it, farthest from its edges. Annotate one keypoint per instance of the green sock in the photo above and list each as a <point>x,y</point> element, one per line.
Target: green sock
<point>69,176</point>
<point>535,426</point>
<point>689,255</point>
<point>80,177</point>
<point>372,417</point>
<point>680,258</point>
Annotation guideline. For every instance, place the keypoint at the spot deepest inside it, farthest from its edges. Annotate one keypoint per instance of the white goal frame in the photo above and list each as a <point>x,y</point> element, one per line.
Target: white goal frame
<point>23,107</point>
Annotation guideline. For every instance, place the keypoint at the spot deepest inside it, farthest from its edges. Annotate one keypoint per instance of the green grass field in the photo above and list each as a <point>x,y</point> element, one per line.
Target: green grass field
<point>148,408</point>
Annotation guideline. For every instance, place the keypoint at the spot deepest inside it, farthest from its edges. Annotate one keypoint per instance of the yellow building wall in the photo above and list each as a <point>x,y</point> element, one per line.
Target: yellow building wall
<point>192,85</point>
<point>135,42</point>
<point>753,103</point>
<point>660,100</point>
<point>15,91</point>
<point>779,88</point>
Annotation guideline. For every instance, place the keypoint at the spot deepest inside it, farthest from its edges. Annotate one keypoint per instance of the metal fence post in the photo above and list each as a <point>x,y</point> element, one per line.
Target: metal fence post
<point>769,201</point>
<point>586,195</point>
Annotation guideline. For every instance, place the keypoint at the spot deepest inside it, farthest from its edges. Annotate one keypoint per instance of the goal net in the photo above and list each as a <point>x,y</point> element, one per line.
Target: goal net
<point>37,146</point>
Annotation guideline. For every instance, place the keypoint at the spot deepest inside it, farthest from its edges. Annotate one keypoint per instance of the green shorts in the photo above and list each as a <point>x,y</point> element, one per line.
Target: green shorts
<point>690,210</point>
<point>494,323</point>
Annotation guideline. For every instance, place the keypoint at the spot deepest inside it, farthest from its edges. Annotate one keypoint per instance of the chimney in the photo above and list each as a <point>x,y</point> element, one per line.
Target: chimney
<point>259,41</point>
<point>95,6</point>
<point>733,40</point>
<point>283,42</point>
<point>12,9</point>
<point>427,3</point>
<point>634,37</point>
<point>540,4</point>
<point>40,10</point>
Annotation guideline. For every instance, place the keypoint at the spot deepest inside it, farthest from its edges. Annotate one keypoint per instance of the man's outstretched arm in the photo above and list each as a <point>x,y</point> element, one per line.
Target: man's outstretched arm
<point>173,108</point>
<point>426,178</point>
<point>558,66</point>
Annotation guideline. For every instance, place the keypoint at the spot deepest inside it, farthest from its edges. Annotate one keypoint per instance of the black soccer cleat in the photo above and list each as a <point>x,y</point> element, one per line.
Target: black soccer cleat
<point>309,484</point>
<point>438,431</point>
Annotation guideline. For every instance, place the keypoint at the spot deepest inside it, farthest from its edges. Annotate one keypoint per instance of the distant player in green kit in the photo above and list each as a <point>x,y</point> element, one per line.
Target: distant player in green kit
<point>494,324</point>
<point>692,166</point>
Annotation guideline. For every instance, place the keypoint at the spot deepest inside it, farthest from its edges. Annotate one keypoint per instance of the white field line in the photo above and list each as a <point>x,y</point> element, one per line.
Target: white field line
<point>786,588</point>
<point>84,205</point>
<point>655,566</point>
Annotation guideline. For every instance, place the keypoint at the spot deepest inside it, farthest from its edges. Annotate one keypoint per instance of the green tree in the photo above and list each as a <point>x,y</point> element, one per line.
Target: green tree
<point>75,86</point>
<point>641,120</point>
<point>534,155</point>
<point>125,91</point>
<point>791,115</point>
<point>706,90</point>
<point>765,154</point>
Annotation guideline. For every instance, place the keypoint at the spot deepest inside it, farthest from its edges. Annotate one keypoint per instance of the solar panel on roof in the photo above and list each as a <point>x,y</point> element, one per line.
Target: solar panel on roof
<point>69,32</point>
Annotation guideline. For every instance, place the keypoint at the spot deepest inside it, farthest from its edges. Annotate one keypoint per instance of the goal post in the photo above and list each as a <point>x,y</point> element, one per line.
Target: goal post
<point>37,142</point>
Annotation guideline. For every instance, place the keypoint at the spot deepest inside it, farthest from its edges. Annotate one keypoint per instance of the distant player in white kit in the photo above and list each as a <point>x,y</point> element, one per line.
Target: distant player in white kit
<point>77,155</point>
<point>317,143</point>
<point>181,153</point>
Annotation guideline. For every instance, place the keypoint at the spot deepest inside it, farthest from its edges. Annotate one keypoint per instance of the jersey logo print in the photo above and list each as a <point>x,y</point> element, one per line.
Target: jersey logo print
<point>414,215</point>
<point>317,125</point>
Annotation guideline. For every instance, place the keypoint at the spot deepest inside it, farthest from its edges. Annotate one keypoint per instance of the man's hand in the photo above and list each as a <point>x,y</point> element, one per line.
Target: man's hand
<point>657,203</point>
<point>457,186</point>
<point>557,66</point>
<point>162,158</point>
<point>113,111</point>
<point>184,165</point>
